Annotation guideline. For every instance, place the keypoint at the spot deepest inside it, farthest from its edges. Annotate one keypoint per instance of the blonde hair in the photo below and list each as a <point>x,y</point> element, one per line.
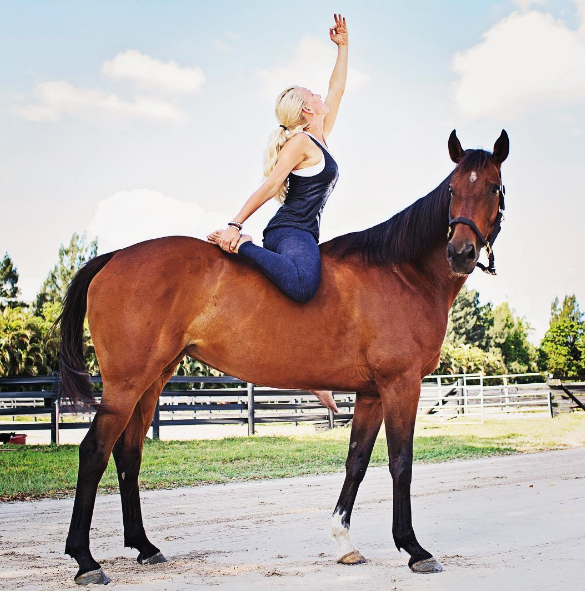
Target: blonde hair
<point>289,112</point>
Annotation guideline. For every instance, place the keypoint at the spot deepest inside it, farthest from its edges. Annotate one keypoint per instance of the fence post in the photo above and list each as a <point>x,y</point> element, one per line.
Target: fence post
<point>156,422</point>
<point>56,409</point>
<point>330,419</point>
<point>251,425</point>
<point>507,394</point>
<point>481,395</point>
<point>550,403</point>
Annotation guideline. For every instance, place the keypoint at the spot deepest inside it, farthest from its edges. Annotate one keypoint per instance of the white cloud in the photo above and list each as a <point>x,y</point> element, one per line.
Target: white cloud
<point>525,63</point>
<point>231,35</point>
<point>128,217</point>
<point>59,98</point>
<point>310,65</point>
<point>153,73</point>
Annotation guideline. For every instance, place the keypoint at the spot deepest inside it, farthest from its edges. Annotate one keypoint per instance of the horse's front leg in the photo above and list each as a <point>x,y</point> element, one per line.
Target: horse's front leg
<point>366,423</point>
<point>400,401</point>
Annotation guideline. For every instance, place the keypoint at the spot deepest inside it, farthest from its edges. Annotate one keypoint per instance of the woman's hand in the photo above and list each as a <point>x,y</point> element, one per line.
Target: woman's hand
<point>226,239</point>
<point>338,33</point>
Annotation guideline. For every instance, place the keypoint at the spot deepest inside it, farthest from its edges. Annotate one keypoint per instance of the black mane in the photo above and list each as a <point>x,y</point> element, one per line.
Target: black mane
<point>409,234</point>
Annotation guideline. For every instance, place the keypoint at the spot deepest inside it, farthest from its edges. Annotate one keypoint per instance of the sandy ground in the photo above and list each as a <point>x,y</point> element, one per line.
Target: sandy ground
<point>515,522</point>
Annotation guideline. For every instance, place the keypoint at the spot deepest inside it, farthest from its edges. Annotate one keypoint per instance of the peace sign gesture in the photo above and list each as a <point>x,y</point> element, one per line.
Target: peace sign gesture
<point>338,33</point>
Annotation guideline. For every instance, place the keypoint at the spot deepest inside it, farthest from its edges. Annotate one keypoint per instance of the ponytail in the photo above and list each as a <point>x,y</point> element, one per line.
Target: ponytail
<point>289,112</point>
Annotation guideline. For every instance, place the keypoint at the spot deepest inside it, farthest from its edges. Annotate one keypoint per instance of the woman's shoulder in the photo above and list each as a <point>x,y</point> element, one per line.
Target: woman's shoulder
<point>301,137</point>
<point>298,142</point>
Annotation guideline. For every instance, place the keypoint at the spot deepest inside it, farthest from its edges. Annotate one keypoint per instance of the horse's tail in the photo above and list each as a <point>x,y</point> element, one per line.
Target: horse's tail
<point>75,381</point>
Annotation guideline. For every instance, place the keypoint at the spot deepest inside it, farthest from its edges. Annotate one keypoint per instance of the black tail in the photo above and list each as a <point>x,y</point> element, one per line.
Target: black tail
<point>75,379</point>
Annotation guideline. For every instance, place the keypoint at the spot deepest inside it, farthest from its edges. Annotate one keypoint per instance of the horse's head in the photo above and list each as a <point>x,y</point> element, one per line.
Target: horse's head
<point>477,201</point>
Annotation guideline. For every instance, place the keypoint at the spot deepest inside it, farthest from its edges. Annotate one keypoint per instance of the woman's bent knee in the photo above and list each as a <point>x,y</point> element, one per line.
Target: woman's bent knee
<point>303,293</point>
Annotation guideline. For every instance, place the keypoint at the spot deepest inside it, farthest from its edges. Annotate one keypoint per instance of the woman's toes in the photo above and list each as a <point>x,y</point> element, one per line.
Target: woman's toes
<point>214,237</point>
<point>326,399</point>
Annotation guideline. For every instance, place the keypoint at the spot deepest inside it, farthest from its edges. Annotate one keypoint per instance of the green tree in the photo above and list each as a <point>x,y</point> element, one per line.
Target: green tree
<point>9,290</point>
<point>562,350</point>
<point>569,310</point>
<point>469,321</point>
<point>469,359</point>
<point>509,335</point>
<point>71,259</point>
<point>27,347</point>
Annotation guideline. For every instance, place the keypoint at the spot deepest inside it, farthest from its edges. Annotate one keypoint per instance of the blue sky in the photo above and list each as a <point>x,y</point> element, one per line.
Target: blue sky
<point>89,144</point>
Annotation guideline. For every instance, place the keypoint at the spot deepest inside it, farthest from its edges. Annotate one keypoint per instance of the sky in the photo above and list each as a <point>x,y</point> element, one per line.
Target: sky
<point>129,120</point>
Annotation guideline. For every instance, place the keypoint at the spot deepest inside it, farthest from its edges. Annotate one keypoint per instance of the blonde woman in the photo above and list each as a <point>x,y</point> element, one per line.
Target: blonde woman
<point>300,173</point>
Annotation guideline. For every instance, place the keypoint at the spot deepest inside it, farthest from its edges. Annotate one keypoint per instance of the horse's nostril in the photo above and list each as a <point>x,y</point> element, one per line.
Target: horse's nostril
<point>470,254</point>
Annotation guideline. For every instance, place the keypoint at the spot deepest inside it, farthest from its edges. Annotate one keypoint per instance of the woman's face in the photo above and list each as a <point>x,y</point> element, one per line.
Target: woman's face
<point>313,103</point>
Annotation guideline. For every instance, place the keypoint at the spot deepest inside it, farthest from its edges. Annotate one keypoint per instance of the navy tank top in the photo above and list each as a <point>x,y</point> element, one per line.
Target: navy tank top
<point>306,198</point>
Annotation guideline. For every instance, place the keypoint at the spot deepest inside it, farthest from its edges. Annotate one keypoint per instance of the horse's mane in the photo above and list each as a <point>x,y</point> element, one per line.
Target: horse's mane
<point>408,235</point>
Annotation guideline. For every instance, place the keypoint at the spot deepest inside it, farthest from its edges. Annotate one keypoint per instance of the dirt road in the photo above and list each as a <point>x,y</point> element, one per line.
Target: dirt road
<point>515,522</point>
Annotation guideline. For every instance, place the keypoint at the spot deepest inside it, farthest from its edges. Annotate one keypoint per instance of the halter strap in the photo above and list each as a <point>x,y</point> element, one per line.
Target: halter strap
<point>488,242</point>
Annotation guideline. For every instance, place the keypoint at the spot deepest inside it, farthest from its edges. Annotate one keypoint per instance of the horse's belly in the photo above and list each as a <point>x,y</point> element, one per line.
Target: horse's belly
<point>302,370</point>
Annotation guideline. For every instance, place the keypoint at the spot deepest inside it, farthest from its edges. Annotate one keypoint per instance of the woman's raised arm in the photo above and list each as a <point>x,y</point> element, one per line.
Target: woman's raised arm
<point>339,36</point>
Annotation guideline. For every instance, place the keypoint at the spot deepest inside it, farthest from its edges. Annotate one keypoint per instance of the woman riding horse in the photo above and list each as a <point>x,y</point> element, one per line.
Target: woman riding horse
<point>300,173</point>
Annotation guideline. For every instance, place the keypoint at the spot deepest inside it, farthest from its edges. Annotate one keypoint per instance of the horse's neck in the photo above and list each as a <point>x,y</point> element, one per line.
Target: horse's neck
<point>436,278</point>
<point>448,281</point>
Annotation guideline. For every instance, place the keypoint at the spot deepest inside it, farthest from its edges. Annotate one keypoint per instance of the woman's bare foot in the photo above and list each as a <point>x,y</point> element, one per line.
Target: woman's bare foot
<point>243,238</point>
<point>214,237</point>
<point>326,399</point>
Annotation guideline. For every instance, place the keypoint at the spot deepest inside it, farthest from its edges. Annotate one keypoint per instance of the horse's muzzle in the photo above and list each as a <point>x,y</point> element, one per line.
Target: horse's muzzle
<point>462,257</point>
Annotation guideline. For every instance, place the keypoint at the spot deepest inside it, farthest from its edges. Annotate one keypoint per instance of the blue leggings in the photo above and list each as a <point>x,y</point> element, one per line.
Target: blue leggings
<point>291,259</point>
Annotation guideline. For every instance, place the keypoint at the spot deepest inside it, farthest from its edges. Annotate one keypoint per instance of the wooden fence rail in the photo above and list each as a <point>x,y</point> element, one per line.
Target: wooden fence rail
<point>228,400</point>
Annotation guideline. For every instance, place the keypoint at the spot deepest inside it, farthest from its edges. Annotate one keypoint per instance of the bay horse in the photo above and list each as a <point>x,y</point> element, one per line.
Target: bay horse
<point>375,327</point>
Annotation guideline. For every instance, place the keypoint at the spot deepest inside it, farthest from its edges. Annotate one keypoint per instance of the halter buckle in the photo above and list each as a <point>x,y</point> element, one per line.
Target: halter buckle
<point>488,249</point>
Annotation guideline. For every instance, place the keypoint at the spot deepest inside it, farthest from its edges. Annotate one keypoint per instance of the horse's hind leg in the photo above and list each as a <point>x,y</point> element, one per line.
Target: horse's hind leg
<point>367,419</point>
<point>119,400</point>
<point>128,456</point>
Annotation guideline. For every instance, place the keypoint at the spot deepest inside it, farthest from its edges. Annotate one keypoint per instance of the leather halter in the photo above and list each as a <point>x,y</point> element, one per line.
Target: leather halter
<point>488,242</point>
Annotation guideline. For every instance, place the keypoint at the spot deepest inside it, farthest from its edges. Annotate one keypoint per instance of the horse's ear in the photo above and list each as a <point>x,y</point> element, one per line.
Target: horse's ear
<point>502,147</point>
<point>455,149</point>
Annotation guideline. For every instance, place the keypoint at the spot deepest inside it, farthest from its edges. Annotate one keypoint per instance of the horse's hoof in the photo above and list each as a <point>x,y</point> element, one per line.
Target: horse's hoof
<point>93,577</point>
<point>156,559</point>
<point>354,557</point>
<point>428,565</point>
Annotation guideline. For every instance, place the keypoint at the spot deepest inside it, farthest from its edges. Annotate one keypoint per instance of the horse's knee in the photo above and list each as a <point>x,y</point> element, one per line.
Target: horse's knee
<point>355,468</point>
<point>401,470</point>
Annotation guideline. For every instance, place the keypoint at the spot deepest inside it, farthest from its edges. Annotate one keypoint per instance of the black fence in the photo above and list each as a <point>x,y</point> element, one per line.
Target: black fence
<point>184,401</point>
<point>226,400</point>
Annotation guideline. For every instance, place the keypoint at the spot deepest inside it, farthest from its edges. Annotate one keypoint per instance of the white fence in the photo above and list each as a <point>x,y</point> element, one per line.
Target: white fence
<point>474,397</point>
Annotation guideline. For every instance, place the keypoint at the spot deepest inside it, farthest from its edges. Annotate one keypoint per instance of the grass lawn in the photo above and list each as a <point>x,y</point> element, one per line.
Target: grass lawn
<point>28,472</point>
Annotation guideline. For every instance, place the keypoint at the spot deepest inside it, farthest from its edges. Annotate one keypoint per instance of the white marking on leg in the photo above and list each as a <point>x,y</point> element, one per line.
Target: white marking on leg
<point>473,176</point>
<point>341,535</point>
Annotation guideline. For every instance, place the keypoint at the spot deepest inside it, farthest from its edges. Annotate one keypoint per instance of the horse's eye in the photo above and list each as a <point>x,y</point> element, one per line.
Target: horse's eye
<point>451,189</point>
<point>495,190</point>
